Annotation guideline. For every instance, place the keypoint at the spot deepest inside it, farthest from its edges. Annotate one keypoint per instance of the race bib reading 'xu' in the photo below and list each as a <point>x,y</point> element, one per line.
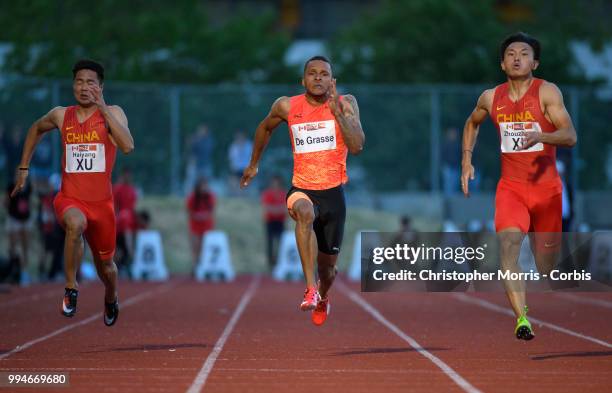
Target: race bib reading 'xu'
<point>315,136</point>
<point>85,158</point>
<point>513,136</point>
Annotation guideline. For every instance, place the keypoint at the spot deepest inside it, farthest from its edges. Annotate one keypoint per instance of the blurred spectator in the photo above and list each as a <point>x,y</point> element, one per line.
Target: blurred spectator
<point>201,146</point>
<point>52,234</point>
<point>273,201</point>
<point>451,161</point>
<point>200,209</point>
<point>567,213</point>
<point>239,156</point>
<point>12,145</point>
<point>405,234</point>
<point>41,164</point>
<point>18,227</point>
<point>2,150</point>
<point>143,219</point>
<point>125,197</point>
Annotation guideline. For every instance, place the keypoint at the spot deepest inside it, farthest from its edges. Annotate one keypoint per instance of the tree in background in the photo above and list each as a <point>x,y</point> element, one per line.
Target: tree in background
<point>436,41</point>
<point>144,41</point>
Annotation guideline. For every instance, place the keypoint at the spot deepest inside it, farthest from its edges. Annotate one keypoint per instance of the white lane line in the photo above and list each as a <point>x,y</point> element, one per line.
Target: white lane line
<point>200,379</point>
<point>128,302</point>
<point>585,300</point>
<point>494,307</point>
<point>446,369</point>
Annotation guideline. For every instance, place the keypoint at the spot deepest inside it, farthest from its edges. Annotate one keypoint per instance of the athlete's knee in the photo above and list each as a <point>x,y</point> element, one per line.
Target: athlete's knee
<point>304,212</point>
<point>74,225</point>
<point>106,268</point>
<point>510,240</point>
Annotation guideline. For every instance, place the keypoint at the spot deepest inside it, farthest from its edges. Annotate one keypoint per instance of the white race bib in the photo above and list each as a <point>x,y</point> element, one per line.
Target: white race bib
<point>513,134</point>
<point>315,136</point>
<point>85,158</point>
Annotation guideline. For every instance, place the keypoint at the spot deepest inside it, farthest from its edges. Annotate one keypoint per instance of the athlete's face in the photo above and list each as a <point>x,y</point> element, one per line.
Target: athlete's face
<point>518,60</point>
<point>317,78</point>
<point>83,82</point>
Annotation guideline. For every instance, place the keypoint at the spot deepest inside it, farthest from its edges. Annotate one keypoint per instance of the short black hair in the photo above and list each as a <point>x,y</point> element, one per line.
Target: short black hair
<point>87,64</point>
<point>521,37</point>
<point>318,57</point>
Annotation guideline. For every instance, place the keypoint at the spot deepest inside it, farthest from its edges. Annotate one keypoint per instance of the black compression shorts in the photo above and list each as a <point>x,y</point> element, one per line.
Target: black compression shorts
<point>330,214</point>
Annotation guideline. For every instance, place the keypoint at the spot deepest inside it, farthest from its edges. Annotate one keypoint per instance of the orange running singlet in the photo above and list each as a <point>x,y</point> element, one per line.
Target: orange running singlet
<point>88,157</point>
<point>512,119</point>
<point>319,152</point>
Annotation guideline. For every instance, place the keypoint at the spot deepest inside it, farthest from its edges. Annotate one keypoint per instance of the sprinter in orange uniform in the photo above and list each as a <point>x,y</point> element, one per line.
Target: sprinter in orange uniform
<point>532,120</point>
<point>91,132</point>
<point>323,128</point>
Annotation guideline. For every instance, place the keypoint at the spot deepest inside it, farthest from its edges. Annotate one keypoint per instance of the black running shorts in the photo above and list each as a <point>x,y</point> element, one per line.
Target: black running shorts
<point>330,214</point>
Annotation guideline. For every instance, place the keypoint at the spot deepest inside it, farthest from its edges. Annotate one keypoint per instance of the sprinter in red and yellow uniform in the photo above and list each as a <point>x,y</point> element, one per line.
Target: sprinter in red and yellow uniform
<point>324,127</point>
<point>531,118</point>
<point>91,132</point>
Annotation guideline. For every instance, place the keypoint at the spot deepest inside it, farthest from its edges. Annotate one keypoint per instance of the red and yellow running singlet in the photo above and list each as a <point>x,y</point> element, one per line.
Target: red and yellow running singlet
<point>512,119</point>
<point>88,157</point>
<point>319,152</point>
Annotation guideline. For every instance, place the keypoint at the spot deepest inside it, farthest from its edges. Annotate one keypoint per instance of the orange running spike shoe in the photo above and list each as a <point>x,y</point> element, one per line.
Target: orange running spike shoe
<point>311,297</point>
<point>321,312</point>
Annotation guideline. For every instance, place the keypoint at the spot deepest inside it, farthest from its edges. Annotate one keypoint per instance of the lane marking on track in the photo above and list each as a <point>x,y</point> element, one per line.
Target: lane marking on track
<point>503,310</point>
<point>200,379</point>
<point>129,302</point>
<point>446,369</point>
<point>586,300</point>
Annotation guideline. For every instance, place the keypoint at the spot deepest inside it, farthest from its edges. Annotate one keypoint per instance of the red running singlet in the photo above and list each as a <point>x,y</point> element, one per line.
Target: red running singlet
<point>88,157</point>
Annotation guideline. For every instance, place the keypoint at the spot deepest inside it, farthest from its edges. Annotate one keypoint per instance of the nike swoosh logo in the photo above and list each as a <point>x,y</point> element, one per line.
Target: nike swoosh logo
<point>499,108</point>
<point>69,128</point>
<point>549,245</point>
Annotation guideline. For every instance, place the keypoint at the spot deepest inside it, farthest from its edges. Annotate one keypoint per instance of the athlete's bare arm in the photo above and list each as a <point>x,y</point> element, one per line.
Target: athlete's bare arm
<point>554,110</point>
<point>470,133</point>
<point>53,119</point>
<point>117,122</point>
<point>278,113</point>
<point>347,115</point>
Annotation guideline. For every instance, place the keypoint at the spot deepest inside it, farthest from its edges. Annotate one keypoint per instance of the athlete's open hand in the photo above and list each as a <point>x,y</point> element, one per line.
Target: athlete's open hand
<point>249,173</point>
<point>338,107</point>
<point>20,181</point>
<point>467,174</point>
<point>530,139</point>
<point>96,96</point>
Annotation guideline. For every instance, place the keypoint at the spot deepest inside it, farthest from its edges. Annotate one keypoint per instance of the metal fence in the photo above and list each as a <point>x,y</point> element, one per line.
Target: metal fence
<point>407,142</point>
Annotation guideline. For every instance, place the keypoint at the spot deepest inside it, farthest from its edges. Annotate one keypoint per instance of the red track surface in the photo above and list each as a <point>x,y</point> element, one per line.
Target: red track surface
<point>166,332</point>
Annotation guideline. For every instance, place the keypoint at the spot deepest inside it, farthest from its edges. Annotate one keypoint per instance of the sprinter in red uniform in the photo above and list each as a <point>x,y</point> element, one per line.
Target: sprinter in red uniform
<point>91,132</point>
<point>532,120</point>
<point>323,127</point>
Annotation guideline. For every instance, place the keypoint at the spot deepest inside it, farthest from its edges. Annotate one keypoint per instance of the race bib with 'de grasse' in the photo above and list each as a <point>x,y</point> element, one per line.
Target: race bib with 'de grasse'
<point>314,136</point>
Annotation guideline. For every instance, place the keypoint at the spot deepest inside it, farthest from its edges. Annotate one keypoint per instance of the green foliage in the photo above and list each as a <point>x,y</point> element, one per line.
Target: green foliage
<point>143,41</point>
<point>438,41</point>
